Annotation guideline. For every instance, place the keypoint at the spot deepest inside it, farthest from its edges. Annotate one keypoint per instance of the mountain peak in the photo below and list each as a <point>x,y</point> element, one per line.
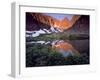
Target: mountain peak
<point>36,21</point>
<point>65,19</point>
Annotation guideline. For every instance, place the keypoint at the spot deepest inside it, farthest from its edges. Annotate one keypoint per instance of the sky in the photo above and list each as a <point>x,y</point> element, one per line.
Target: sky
<point>60,16</point>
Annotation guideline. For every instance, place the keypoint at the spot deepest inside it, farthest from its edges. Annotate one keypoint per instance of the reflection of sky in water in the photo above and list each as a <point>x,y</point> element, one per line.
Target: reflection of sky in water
<point>60,16</point>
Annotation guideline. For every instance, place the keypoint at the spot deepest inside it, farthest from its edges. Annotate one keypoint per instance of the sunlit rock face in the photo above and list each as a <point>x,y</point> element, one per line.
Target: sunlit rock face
<point>36,21</point>
<point>62,25</point>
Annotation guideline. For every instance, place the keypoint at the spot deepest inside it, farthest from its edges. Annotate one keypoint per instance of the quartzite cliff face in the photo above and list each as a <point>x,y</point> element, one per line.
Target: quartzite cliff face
<point>36,21</point>
<point>81,25</point>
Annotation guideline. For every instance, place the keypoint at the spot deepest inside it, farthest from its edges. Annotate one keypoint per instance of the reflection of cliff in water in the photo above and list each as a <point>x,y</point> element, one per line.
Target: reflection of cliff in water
<point>67,48</point>
<point>81,45</point>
